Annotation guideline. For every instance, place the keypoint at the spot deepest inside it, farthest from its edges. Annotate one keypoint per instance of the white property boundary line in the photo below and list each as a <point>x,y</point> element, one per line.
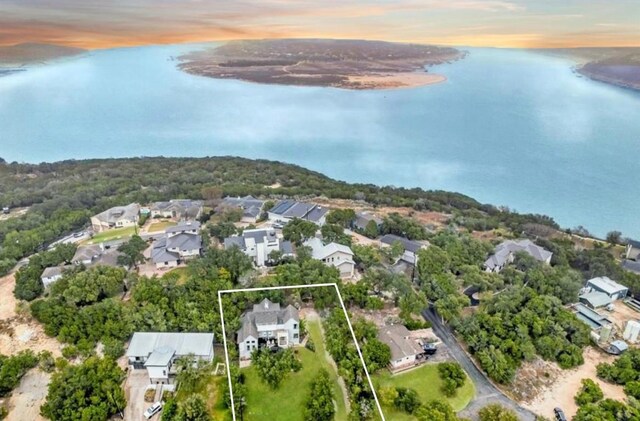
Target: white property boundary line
<point>353,335</point>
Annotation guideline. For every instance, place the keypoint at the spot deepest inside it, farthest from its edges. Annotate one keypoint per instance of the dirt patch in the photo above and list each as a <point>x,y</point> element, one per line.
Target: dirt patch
<point>18,331</point>
<point>562,385</point>
<point>27,398</point>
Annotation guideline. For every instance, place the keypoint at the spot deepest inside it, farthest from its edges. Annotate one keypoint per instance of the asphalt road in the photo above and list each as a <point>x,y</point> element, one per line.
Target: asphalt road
<point>486,392</point>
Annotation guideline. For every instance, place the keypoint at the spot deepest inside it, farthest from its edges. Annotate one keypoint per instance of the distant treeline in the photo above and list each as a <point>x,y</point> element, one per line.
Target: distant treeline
<point>63,195</point>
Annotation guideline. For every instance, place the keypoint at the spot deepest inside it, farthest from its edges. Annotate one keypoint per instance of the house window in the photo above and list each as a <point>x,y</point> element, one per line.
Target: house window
<point>295,325</point>
<point>248,347</point>
<point>295,336</point>
<point>164,372</point>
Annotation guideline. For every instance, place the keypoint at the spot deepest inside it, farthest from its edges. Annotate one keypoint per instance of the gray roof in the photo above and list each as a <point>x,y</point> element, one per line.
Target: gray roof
<point>87,252</point>
<point>258,236</point>
<point>408,245</point>
<point>185,241</point>
<point>286,247</point>
<point>596,299</point>
<point>53,271</point>
<point>265,313</point>
<point>592,318</point>
<point>509,247</point>
<point>183,208</point>
<point>320,251</point>
<point>159,252</point>
<point>118,213</point>
<point>397,337</point>
<point>250,205</point>
<point>160,357</point>
<point>606,285</point>
<point>631,266</point>
<point>183,226</point>
<point>620,345</point>
<point>363,218</point>
<point>293,209</point>
<point>633,243</point>
<point>144,343</point>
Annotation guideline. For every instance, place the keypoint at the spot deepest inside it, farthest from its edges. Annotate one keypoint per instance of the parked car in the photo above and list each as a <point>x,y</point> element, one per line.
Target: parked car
<point>559,414</point>
<point>152,410</point>
<point>429,348</point>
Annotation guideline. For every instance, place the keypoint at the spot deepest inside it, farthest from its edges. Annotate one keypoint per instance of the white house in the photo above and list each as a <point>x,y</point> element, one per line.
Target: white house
<point>410,247</point>
<point>603,284</point>
<point>405,351</point>
<point>52,274</point>
<point>116,217</point>
<point>288,210</point>
<point>333,254</point>
<point>180,243</point>
<point>181,209</point>
<point>268,325</point>
<point>505,253</point>
<point>157,352</point>
<point>258,244</point>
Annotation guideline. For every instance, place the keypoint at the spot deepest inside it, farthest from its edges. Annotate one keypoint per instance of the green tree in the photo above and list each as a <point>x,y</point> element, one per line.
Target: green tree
<point>371,230</point>
<point>90,286</point>
<point>453,377</point>
<point>614,237</point>
<point>342,217</point>
<point>319,404</point>
<point>436,411</point>
<point>590,392</point>
<point>13,368</point>
<point>222,230</point>
<point>131,252</point>
<point>333,233</point>
<point>88,391</point>
<point>496,412</point>
<point>194,408</point>
<point>407,400</point>
<point>299,230</point>
<point>274,367</point>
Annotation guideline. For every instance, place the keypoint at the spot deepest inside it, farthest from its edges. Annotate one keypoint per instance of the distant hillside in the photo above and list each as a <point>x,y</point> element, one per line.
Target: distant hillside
<point>618,66</point>
<point>31,53</point>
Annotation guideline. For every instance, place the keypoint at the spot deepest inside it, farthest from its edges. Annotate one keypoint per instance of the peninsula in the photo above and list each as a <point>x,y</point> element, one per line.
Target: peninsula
<point>347,64</point>
<point>33,53</point>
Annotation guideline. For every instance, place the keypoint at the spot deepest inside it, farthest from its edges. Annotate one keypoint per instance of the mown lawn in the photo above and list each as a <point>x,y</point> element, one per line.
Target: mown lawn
<point>287,402</point>
<point>114,234</point>
<point>426,381</point>
<point>160,226</point>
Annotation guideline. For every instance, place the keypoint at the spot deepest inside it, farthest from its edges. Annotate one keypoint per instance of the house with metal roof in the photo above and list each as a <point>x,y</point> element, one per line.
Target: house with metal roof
<point>157,352</point>
<point>405,351</point>
<point>288,210</point>
<point>505,253</point>
<point>250,206</point>
<point>591,317</point>
<point>608,286</point>
<point>595,299</point>
<point>617,347</point>
<point>410,247</point>
<point>333,254</point>
<point>259,244</point>
<point>180,209</point>
<point>116,217</point>
<point>268,325</point>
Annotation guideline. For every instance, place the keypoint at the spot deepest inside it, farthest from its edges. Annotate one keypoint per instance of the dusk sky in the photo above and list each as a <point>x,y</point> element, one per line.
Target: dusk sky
<point>499,23</point>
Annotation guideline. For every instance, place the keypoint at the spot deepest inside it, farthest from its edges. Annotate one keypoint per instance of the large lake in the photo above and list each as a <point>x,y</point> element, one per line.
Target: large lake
<point>509,127</point>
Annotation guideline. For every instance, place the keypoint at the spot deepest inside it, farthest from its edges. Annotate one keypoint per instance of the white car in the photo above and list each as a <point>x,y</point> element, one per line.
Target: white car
<point>152,410</point>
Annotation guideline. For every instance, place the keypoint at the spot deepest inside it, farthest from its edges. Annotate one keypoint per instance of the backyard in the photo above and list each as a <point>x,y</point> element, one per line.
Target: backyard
<point>426,381</point>
<point>286,403</point>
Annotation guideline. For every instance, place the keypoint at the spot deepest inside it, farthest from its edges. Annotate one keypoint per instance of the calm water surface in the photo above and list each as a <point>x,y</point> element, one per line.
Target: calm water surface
<point>509,127</point>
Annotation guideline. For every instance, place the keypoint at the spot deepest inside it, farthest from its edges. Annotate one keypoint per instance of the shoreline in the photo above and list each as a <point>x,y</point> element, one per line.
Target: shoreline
<point>403,80</point>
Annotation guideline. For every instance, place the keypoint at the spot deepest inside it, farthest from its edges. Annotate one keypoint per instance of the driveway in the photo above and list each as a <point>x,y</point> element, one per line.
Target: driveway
<point>137,382</point>
<point>486,392</point>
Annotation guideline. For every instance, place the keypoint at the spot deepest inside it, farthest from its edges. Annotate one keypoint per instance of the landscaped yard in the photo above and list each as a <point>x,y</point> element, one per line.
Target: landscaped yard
<point>426,381</point>
<point>160,226</point>
<point>287,402</point>
<point>114,234</point>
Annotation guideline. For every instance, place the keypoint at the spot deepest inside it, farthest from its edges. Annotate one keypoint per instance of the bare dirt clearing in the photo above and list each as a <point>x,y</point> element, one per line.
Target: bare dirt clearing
<point>27,398</point>
<point>563,385</point>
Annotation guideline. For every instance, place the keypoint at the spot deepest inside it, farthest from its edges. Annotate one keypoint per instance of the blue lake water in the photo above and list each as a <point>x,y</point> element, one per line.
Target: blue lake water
<point>509,127</point>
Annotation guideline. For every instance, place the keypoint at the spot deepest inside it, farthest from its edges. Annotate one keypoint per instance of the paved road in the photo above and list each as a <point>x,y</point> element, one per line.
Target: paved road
<point>486,392</point>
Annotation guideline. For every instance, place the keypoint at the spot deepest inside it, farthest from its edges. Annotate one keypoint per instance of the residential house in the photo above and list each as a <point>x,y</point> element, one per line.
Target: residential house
<point>405,351</point>
<point>611,288</point>
<point>96,254</point>
<point>633,250</point>
<point>52,274</point>
<point>363,219</point>
<point>180,243</point>
<point>259,244</point>
<point>595,299</point>
<point>505,253</point>
<point>410,247</point>
<point>250,206</point>
<point>333,254</point>
<point>288,210</point>
<point>116,217</point>
<point>617,347</point>
<point>631,266</point>
<point>179,209</point>
<point>592,318</point>
<point>268,325</point>
<point>157,352</point>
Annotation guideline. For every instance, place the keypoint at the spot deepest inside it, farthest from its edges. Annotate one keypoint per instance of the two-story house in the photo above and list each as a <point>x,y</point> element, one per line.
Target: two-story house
<point>268,325</point>
<point>259,244</point>
<point>116,217</point>
<point>333,254</point>
<point>180,243</point>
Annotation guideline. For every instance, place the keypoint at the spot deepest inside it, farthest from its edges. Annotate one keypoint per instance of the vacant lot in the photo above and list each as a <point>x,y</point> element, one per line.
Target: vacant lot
<point>27,398</point>
<point>286,403</point>
<point>160,226</point>
<point>114,234</point>
<point>426,381</point>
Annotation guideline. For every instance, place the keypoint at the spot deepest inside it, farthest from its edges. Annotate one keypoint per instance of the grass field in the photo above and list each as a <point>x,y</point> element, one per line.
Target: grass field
<point>114,234</point>
<point>181,274</point>
<point>287,402</point>
<point>211,389</point>
<point>426,381</point>
<point>160,226</point>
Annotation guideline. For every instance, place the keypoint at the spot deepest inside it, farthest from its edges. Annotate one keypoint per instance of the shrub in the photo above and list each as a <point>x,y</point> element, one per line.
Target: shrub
<point>310,345</point>
<point>453,377</point>
<point>407,400</point>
